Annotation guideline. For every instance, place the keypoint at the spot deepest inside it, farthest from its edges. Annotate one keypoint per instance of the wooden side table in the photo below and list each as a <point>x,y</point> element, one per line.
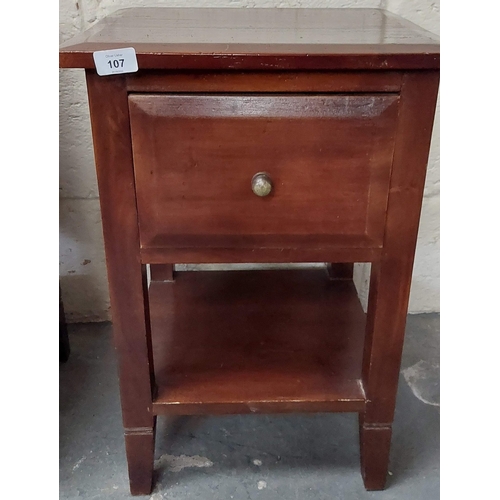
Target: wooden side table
<point>259,135</point>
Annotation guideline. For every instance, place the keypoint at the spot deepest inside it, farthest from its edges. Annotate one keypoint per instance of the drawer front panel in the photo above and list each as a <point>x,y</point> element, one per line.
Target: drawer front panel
<point>328,158</point>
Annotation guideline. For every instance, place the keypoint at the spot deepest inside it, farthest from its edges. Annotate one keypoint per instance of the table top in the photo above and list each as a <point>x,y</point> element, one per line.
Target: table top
<point>235,38</point>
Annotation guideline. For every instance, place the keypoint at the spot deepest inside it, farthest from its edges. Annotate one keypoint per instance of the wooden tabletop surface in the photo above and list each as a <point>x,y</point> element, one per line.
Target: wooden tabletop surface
<point>233,38</point>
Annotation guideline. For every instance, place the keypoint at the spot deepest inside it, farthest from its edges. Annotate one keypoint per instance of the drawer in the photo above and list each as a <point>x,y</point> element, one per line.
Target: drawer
<point>327,159</point>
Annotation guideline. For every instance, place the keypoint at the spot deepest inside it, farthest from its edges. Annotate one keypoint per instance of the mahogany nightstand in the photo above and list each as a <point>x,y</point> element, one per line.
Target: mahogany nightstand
<point>259,135</point>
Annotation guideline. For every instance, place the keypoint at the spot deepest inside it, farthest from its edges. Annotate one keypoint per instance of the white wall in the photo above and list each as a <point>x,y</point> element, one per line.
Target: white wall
<point>82,263</point>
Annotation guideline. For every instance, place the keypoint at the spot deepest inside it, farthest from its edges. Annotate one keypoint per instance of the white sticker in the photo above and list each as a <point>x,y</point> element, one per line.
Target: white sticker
<point>115,61</point>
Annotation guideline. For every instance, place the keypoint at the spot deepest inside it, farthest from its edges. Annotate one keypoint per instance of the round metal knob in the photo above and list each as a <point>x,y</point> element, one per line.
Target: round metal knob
<point>261,184</point>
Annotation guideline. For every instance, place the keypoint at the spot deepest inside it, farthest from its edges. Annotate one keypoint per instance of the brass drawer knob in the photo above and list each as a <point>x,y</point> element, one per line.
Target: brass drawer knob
<point>261,184</point>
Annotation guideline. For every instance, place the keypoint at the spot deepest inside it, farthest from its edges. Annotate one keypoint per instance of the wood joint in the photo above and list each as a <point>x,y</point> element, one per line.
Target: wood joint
<point>375,426</point>
<point>139,431</point>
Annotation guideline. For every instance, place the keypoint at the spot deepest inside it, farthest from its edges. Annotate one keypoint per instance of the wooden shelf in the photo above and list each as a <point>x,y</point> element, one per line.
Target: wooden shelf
<point>256,341</point>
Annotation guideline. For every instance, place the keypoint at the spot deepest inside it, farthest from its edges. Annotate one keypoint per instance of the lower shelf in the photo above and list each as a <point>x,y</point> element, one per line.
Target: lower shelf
<point>256,341</point>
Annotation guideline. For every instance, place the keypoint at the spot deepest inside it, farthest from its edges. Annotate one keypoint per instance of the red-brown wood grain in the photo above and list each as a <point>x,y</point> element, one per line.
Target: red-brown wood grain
<point>126,275</point>
<point>260,341</point>
<point>305,250</point>
<point>374,447</point>
<point>162,272</point>
<point>152,81</point>
<point>391,275</point>
<point>263,39</point>
<point>329,159</point>
<point>337,106</point>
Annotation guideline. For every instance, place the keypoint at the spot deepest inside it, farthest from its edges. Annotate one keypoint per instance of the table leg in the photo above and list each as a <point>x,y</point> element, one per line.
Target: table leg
<point>162,272</point>
<point>340,271</point>
<point>390,279</point>
<point>375,444</point>
<point>140,447</point>
<point>126,275</point>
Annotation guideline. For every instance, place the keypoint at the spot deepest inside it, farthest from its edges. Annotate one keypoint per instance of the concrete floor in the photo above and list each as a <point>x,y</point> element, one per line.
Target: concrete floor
<point>263,457</point>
